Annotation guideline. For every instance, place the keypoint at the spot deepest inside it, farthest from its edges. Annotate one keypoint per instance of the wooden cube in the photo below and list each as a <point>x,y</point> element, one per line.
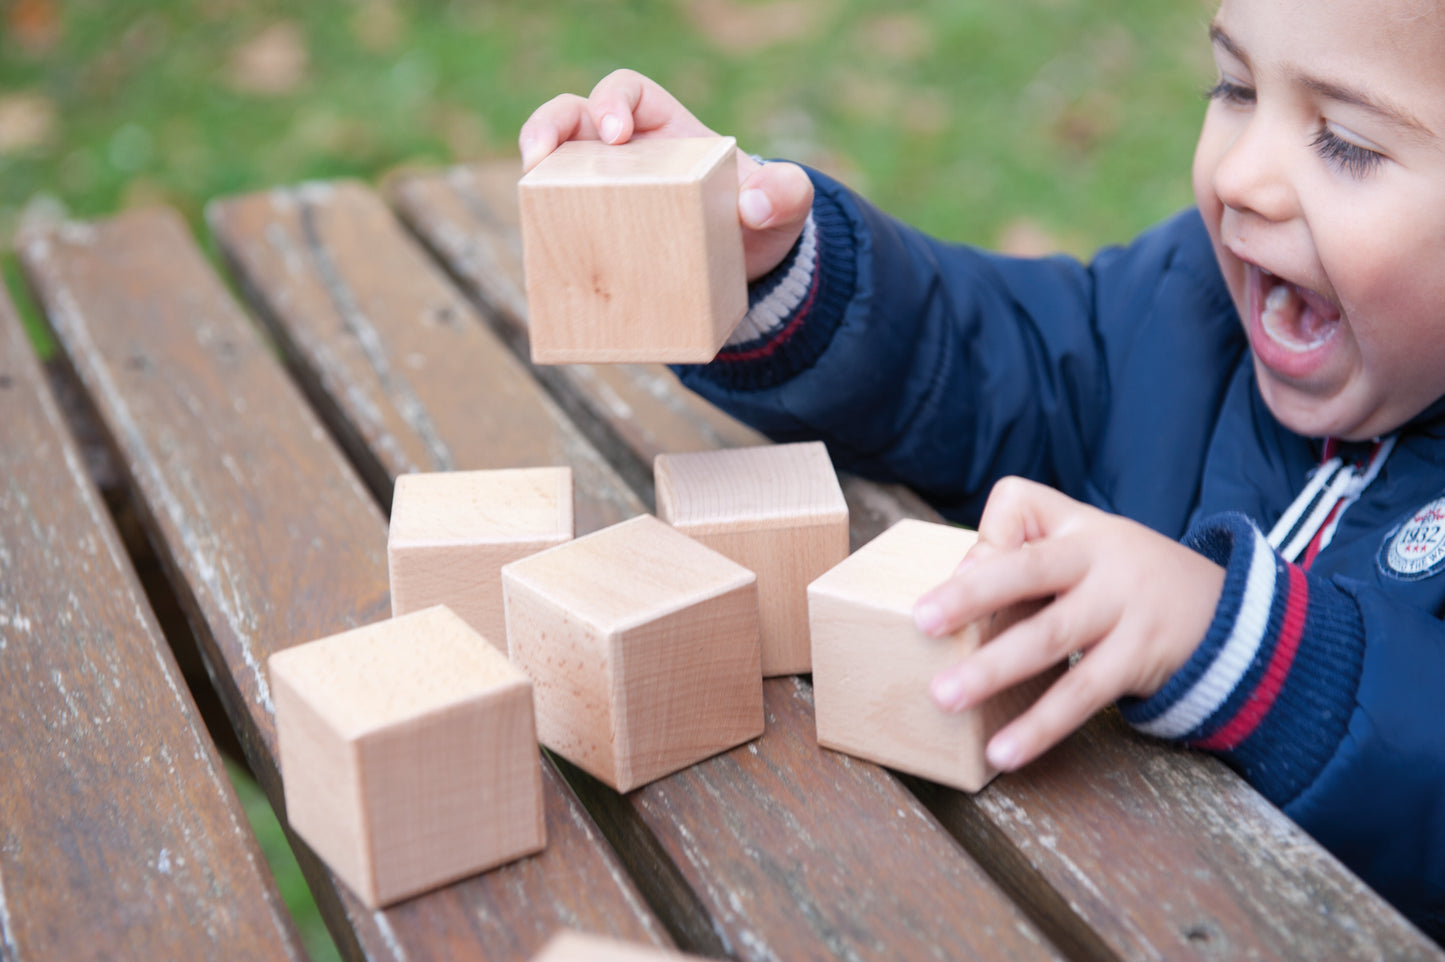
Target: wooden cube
<point>642,646</point>
<point>872,666</point>
<point>408,754</point>
<point>451,532</point>
<point>577,947</point>
<point>633,252</point>
<point>777,510</point>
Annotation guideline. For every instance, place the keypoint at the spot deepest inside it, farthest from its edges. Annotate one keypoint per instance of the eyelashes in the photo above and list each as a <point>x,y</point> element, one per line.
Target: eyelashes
<point>1338,152</point>
<point>1353,159</point>
<point>1230,92</point>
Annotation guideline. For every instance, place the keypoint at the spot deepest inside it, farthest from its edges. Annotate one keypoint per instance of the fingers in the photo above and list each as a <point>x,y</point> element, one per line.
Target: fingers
<point>991,581</point>
<point>1019,511</point>
<point>773,205</point>
<point>560,119</point>
<point>1027,648</point>
<point>1069,703</point>
<point>624,104</point>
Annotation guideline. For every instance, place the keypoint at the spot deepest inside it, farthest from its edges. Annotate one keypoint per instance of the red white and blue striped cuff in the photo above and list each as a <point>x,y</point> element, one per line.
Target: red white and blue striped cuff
<point>1272,686</point>
<point>793,311</point>
<point>774,301</point>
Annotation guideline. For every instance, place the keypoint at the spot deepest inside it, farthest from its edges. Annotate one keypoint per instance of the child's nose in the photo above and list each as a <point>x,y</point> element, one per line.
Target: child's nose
<point>1252,173</point>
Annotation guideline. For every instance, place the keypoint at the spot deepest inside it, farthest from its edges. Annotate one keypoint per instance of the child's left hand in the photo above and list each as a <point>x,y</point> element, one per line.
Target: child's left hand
<point>1134,602</point>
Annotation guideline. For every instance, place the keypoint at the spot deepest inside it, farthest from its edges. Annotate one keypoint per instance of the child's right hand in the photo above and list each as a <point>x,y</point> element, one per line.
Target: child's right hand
<point>773,199</point>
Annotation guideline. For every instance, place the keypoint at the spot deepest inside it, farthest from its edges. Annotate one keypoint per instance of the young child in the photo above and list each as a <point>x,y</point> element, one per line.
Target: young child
<point>1263,376</point>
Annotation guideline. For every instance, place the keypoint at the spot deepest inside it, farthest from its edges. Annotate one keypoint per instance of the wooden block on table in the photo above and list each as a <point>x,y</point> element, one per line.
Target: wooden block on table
<point>408,754</point>
<point>633,252</point>
<point>451,532</point>
<point>872,666</point>
<point>577,947</point>
<point>775,509</point>
<point>642,645</point>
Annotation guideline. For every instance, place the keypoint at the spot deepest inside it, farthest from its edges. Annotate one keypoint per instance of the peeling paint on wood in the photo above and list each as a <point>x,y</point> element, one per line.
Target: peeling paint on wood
<point>102,854</point>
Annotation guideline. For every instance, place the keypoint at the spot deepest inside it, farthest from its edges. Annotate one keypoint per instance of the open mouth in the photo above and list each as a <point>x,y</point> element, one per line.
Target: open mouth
<point>1294,318</point>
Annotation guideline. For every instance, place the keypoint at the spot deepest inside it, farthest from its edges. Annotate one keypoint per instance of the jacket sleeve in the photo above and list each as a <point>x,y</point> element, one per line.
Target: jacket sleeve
<point>1325,695</point>
<point>945,367</point>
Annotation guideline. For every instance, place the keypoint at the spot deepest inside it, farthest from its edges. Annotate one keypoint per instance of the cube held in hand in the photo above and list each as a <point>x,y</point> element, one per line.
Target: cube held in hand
<point>408,754</point>
<point>872,666</point>
<point>642,646</point>
<point>633,252</point>
<point>775,509</point>
<point>452,531</point>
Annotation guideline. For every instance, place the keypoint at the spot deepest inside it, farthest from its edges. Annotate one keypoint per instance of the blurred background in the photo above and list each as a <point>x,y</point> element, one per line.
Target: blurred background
<point>1031,125</point>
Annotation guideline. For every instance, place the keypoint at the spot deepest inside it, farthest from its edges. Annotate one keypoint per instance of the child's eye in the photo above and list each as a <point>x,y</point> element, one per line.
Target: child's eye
<point>1353,159</point>
<point>1230,92</point>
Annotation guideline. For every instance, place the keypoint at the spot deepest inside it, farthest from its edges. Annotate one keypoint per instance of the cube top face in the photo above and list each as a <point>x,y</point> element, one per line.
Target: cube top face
<point>778,485</point>
<point>657,160</point>
<point>473,507</point>
<point>666,572</point>
<point>377,676</point>
<point>893,570</point>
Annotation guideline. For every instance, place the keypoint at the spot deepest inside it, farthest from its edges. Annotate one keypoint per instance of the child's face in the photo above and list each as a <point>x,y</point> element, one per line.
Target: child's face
<point>1321,174</point>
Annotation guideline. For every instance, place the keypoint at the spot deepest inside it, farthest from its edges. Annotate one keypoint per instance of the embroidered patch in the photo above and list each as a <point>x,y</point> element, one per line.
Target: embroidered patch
<point>1417,548</point>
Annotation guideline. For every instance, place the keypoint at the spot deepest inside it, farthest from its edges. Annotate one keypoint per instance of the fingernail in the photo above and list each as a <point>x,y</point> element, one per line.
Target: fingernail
<point>610,128</point>
<point>755,207</point>
<point>1003,753</point>
<point>947,692</point>
<point>928,616</point>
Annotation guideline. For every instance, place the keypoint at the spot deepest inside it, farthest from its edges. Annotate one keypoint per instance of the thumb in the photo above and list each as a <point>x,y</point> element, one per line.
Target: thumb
<point>773,204</point>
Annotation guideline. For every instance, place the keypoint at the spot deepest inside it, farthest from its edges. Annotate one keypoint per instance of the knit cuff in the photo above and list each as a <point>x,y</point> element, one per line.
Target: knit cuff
<point>1272,686</point>
<point>775,298</point>
<point>793,310</point>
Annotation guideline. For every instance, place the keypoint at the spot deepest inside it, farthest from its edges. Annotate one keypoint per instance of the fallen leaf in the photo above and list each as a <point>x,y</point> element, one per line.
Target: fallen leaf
<point>903,37</point>
<point>739,27</point>
<point>271,63</point>
<point>34,25</point>
<point>377,25</point>
<point>27,121</point>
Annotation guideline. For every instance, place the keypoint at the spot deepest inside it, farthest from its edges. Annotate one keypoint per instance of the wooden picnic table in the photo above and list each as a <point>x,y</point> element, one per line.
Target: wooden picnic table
<point>384,332</point>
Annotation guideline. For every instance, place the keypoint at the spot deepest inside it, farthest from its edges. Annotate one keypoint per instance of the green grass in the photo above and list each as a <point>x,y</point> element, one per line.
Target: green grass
<point>967,118</point>
<point>289,880</point>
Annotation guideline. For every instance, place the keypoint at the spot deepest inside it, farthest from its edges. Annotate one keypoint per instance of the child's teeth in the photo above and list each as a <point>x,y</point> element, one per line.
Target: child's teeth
<point>1290,323</point>
<point>1277,299</point>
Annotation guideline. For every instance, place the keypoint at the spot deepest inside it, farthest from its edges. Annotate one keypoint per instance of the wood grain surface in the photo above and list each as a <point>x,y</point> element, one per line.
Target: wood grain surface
<point>272,540</point>
<point>703,844</point>
<point>1118,846</point>
<point>120,835</point>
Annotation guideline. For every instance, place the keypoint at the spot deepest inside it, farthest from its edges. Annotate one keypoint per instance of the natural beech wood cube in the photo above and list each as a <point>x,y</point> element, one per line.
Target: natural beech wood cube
<point>872,666</point>
<point>577,947</point>
<point>408,754</point>
<point>633,252</point>
<point>777,510</point>
<point>642,645</point>
<point>451,532</point>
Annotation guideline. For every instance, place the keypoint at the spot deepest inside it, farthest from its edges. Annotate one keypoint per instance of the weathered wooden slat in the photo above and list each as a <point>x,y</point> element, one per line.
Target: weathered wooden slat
<point>756,853</point>
<point>1118,845</point>
<point>120,835</point>
<point>272,540</point>
<point>383,347</point>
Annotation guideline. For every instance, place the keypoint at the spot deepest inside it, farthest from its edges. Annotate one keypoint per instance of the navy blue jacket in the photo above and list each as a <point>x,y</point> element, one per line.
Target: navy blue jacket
<point>1127,383</point>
